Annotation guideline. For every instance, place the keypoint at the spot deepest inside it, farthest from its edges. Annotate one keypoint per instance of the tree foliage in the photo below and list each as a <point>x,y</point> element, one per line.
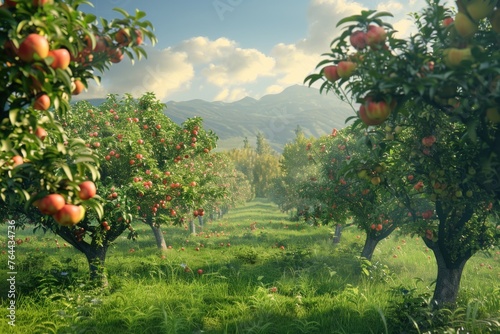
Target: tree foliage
<point>50,51</point>
<point>440,87</point>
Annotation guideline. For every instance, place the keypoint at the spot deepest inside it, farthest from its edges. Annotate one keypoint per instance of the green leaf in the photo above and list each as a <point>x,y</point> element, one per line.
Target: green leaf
<point>139,14</point>
<point>121,11</point>
<point>6,145</point>
<point>323,62</point>
<point>348,119</point>
<point>93,170</point>
<point>89,18</point>
<point>382,14</point>
<point>95,206</point>
<point>353,18</point>
<point>13,115</point>
<point>67,171</point>
<point>85,158</point>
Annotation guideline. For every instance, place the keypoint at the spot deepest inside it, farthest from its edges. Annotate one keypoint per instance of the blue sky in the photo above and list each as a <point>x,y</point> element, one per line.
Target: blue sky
<point>227,49</point>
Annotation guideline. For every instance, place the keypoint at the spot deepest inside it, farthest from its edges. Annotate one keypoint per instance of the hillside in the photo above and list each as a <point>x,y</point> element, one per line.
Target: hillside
<point>276,116</point>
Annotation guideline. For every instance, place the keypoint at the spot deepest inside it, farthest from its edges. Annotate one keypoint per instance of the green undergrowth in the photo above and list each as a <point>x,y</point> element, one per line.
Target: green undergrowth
<point>260,273</point>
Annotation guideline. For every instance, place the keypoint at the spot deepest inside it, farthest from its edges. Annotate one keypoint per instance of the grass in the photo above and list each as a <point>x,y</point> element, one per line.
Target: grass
<point>250,283</point>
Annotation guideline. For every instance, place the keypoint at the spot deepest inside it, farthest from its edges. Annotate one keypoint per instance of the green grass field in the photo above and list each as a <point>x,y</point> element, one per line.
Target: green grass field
<point>249,284</point>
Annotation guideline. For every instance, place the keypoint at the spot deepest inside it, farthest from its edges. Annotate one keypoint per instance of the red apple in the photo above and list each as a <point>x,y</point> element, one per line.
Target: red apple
<point>17,160</point>
<point>79,87</point>
<point>375,35</point>
<point>51,204</point>
<point>368,121</point>
<point>330,73</point>
<point>31,45</point>
<point>41,133</point>
<point>358,40</point>
<point>138,37</point>
<point>345,69</point>
<point>61,58</point>
<point>447,21</point>
<point>428,141</point>
<point>116,56</point>
<point>427,214</point>
<point>42,102</point>
<point>69,215</point>
<point>122,37</point>
<point>378,110</point>
<point>87,190</point>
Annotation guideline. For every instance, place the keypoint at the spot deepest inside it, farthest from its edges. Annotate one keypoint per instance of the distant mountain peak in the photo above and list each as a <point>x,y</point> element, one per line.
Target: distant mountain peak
<point>246,99</point>
<point>274,115</point>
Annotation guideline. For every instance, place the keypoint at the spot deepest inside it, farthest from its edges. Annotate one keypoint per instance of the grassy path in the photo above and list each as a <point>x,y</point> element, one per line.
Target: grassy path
<point>260,273</point>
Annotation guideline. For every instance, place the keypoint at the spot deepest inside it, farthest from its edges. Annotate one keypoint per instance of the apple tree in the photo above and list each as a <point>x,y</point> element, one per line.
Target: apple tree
<point>440,87</point>
<point>296,166</point>
<point>227,176</point>
<point>50,50</point>
<point>152,168</point>
<point>357,185</point>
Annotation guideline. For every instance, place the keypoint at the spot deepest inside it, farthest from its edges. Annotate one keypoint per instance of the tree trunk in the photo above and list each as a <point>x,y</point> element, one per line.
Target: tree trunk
<point>448,277</point>
<point>338,234</point>
<point>193,226</point>
<point>200,221</point>
<point>96,256</point>
<point>447,284</point>
<point>451,252</point>
<point>160,240</point>
<point>369,247</point>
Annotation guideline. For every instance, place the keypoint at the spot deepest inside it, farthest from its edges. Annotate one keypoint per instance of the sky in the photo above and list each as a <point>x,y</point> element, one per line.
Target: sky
<point>225,50</point>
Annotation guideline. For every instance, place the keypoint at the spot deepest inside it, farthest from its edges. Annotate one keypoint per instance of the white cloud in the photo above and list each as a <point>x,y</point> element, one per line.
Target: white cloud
<point>239,67</point>
<point>390,6</point>
<point>229,95</point>
<point>225,70</point>
<point>162,73</point>
<point>323,16</point>
<point>201,50</point>
<point>274,89</point>
<point>293,64</point>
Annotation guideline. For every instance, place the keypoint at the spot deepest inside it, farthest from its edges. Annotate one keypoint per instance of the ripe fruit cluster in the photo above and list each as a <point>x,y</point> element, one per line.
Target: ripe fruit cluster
<point>374,37</point>
<point>47,55</point>
<point>36,48</point>
<point>66,214</point>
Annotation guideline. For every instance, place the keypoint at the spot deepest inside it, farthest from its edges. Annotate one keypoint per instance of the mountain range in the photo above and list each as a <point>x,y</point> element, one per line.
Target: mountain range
<point>276,116</point>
